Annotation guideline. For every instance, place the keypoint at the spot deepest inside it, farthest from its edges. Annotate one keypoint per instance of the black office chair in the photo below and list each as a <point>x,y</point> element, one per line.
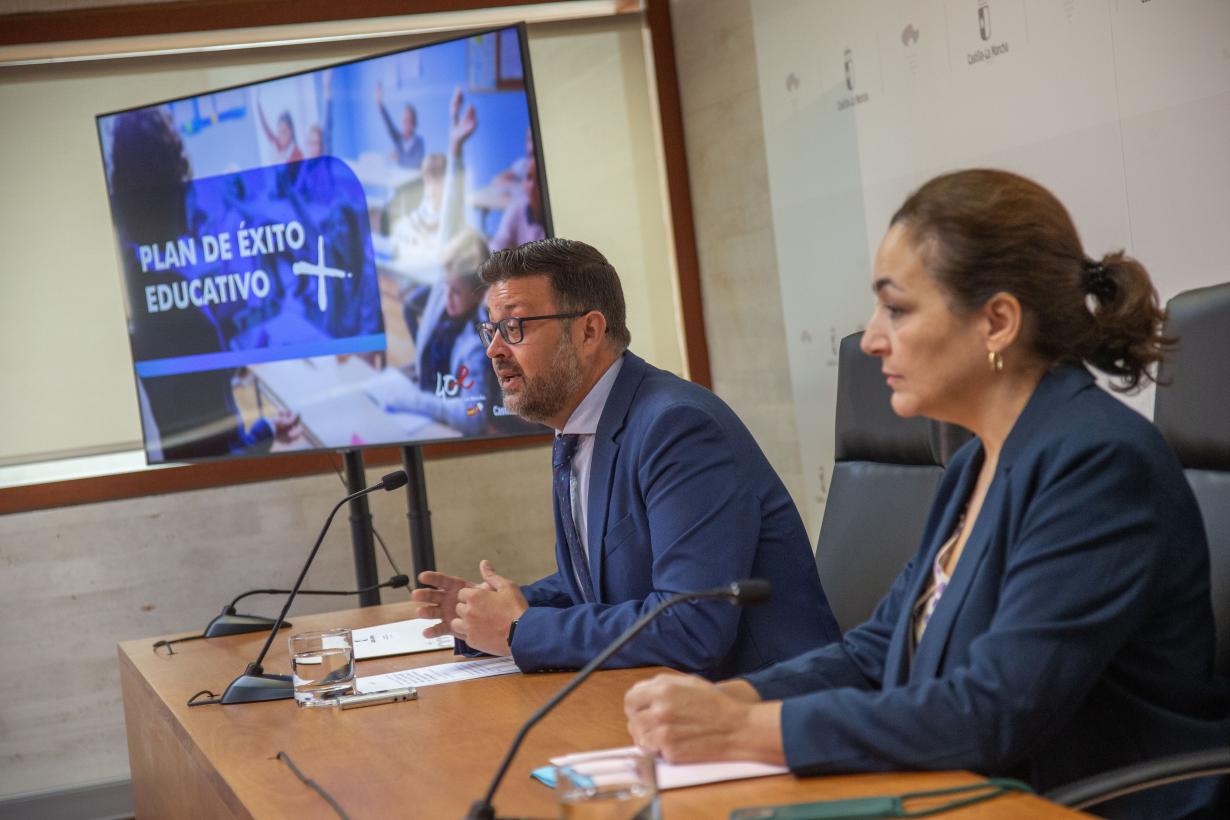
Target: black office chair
<point>1192,409</point>
<point>1139,777</point>
<point>884,478</point>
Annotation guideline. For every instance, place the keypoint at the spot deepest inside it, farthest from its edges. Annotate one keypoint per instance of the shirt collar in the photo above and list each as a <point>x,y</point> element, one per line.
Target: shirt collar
<point>584,419</point>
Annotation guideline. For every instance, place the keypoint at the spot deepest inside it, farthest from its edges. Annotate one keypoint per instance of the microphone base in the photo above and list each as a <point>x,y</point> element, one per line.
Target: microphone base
<point>238,625</point>
<point>480,810</point>
<point>256,688</point>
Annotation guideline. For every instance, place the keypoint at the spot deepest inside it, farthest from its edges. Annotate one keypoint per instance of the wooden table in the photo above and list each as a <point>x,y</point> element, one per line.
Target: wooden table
<point>428,758</point>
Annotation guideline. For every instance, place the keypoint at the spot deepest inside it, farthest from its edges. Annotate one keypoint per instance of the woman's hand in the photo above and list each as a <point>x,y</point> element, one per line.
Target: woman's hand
<point>686,719</point>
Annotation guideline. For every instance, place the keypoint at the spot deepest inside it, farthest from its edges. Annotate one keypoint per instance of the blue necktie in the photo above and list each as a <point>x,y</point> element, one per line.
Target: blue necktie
<point>562,450</point>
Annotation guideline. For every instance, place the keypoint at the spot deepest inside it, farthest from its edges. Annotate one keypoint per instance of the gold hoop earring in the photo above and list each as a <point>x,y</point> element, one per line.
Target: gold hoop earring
<point>996,361</point>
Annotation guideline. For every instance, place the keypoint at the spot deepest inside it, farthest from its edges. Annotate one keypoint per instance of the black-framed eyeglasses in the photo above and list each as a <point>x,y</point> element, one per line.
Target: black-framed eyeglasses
<point>511,327</point>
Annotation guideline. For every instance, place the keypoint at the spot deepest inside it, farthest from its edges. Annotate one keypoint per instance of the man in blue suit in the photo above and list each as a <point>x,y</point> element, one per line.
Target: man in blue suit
<point>659,489</point>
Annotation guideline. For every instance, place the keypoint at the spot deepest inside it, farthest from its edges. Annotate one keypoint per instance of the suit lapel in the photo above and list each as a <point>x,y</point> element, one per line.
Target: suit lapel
<point>1056,385</point>
<point>902,656</point>
<point>930,651</point>
<point>606,452</point>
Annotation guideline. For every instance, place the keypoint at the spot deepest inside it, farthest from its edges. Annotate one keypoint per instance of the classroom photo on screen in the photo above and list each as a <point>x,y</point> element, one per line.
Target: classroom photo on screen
<point>300,255</point>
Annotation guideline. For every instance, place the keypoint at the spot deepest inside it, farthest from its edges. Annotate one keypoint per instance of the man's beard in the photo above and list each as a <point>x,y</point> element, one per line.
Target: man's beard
<point>545,396</point>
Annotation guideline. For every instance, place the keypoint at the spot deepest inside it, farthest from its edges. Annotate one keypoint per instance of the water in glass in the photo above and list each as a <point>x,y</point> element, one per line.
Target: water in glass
<point>627,801</point>
<point>322,665</point>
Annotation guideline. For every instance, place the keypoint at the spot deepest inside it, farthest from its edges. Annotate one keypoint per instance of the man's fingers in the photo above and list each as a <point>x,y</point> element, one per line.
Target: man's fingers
<point>637,698</point>
<point>458,627</point>
<point>436,630</point>
<point>439,579</point>
<point>654,691</point>
<point>429,612</point>
<point>638,703</point>
<point>490,577</point>
<point>650,741</point>
<point>649,687</point>
<point>434,597</point>
<point>642,727</point>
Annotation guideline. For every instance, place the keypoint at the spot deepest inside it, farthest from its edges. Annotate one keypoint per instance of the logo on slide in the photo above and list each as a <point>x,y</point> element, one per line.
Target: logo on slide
<point>449,386</point>
<point>849,60</point>
<point>984,20</point>
<point>909,35</point>
<point>319,269</point>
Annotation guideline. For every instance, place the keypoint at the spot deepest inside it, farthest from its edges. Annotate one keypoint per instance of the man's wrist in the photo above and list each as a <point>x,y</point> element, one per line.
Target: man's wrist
<point>760,737</point>
<point>739,689</point>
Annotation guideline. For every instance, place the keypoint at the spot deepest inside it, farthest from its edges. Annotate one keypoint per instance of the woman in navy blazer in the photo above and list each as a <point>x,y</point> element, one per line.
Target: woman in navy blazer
<point>1056,620</point>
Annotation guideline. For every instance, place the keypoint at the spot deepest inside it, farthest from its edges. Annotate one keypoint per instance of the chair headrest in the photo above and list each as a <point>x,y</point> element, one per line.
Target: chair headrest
<point>1192,405</point>
<point>867,427</point>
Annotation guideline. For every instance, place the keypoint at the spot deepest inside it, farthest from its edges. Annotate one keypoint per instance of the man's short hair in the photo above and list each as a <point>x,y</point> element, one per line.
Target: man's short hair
<point>580,276</point>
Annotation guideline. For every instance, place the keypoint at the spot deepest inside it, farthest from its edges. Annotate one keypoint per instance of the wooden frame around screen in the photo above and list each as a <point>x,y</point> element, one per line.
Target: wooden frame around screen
<point>207,15</point>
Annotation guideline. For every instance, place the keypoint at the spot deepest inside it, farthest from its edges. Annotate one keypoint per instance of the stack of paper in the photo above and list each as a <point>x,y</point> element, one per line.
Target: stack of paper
<point>398,638</point>
<point>440,673</point>
<point>671,775</point>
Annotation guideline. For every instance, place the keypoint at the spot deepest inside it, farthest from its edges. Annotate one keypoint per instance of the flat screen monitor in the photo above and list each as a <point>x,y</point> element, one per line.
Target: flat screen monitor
<point>299,254</point>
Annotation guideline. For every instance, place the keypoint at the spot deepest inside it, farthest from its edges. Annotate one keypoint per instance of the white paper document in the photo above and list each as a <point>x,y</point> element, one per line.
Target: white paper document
<point>440,673</point>
<point>397,638</point>
<point>679,775</point>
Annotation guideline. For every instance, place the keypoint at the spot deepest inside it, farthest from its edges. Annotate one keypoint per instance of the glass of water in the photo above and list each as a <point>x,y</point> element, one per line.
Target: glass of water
<point>323,666</point>
<point>619,784</point>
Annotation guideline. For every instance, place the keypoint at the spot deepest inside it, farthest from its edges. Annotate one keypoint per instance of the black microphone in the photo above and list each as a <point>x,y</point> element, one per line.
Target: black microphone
<point>231,623</point>
<point>254,684</point>
<point>748,592</point>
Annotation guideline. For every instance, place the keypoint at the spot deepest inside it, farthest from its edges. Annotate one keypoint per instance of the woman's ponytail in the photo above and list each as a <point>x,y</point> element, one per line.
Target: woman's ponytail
<point>1127,340</point>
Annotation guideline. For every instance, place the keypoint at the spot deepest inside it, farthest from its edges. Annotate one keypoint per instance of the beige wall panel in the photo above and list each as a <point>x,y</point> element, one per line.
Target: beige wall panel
<point>720,95</point>
<point>614,200</point>
<point>77,580</point>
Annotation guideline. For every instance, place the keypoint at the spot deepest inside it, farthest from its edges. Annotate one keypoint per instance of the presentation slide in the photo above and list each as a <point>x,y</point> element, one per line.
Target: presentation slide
<point>280,256</point>
<point>299,255</point>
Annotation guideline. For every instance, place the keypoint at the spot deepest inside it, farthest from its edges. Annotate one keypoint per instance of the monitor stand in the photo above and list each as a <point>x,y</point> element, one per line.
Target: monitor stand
<point>422,549</point>
<point>361,539</point>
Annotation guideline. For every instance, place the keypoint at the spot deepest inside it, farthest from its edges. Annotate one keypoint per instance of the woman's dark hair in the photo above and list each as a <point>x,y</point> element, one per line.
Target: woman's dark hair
<point>149,177</point>
<point>984,232</point>
<point>580,276</point>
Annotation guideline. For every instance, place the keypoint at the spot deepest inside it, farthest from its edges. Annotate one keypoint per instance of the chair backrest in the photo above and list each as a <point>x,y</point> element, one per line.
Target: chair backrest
<point>1192,409</point>
<point>884,478</point>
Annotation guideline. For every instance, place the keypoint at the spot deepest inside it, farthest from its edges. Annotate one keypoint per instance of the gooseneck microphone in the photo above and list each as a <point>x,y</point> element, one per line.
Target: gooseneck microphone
<point>254,684</point>
<point>748,592</point>
<point>232,623</point>
<point>396,582</point>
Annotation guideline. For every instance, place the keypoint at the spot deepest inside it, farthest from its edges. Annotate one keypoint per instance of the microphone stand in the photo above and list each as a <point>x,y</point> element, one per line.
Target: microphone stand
<point>255,684</point>
<point>752,591</point>
<point>230,623</point>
